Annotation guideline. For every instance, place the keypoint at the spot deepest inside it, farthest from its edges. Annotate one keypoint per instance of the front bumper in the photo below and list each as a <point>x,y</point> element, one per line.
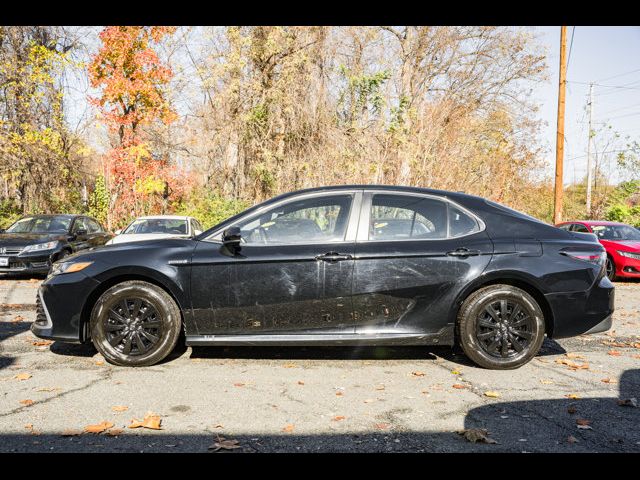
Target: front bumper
<point>59,307</point>
<point>627,267</point>
<point>27,264</point>
<point>578,313</point>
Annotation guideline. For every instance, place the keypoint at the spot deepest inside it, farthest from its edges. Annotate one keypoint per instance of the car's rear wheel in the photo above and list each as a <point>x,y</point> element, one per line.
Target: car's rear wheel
<point>135,323</point>
<point>500,327</point>
<point>611,268</point>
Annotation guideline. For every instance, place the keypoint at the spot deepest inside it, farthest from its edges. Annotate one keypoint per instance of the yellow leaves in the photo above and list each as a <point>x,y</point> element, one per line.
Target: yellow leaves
<point>151,421</point>
<point>98,427</point>
<point>288,428</point>
<point>573,396</point>
<point>573,365</point>
<point>492,394</point>
<point>119,408</point>
<point>22,376</point>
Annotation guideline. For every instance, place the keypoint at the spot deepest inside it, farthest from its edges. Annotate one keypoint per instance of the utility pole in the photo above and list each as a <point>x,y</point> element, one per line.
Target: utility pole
<point>557,206</point>
<point>589,151</point>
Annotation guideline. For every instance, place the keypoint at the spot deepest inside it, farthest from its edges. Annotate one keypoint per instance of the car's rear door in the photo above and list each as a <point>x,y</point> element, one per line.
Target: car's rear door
<point>293,274</point>
<point>414,253</point>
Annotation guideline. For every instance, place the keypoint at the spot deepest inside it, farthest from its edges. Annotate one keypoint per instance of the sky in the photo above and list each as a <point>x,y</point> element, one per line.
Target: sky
<point>606,56</point>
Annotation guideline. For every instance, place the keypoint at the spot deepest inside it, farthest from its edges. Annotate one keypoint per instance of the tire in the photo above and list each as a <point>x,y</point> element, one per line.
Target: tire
<point>479,326</point>
<point>63,254</point>
<point>131,339</point>
<point>611,269</point>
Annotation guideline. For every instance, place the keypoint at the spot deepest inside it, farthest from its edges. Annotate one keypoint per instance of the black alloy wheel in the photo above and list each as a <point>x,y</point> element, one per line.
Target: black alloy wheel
<point>610,269</point>
<point>500,327</point>
<point>135,323</point>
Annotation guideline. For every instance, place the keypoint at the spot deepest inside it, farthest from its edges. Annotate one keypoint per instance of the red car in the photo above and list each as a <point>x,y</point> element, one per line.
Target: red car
<point>621,241</point>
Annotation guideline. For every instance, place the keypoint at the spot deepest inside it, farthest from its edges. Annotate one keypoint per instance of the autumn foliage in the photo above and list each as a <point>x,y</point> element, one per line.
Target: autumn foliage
<point>133,82</point>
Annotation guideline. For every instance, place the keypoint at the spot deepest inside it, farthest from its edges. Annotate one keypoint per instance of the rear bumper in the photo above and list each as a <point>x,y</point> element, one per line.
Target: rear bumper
<point>577,313</point>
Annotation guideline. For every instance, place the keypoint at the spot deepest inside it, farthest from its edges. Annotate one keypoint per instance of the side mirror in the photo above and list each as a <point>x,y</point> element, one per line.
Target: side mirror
<point>81,233</point>
<point>231,237</point>
<point>118,232</point>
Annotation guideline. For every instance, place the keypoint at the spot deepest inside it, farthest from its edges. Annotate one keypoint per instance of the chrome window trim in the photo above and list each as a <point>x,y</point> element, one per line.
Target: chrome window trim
<point>352,223</point>
<point>363,227</point>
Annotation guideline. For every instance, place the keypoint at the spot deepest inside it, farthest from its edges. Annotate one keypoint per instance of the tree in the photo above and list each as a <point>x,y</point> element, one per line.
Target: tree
<point>133,83</point>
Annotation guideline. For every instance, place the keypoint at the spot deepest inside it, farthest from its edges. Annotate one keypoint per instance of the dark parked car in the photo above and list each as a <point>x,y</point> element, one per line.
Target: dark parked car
<point>34,242</point>
<point>349,265</point>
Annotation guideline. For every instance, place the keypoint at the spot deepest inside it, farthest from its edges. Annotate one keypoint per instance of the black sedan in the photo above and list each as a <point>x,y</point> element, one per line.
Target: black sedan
<point>349,265</point>
<point>34,242</point>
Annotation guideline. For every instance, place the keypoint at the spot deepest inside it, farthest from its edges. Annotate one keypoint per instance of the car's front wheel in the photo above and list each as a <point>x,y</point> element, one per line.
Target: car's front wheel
<point>135,323</point>
<point>500,327</point>
<point>611,268</point>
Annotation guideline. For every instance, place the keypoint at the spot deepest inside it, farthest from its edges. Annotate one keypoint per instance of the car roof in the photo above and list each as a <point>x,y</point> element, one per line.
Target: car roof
<point>165,217</point>
<point>47,215</point>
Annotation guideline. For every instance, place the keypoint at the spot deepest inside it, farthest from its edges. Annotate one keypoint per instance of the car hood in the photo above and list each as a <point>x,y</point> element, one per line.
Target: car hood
<point>629,245</point>
<point>24,239</point>
<point>139,237</point>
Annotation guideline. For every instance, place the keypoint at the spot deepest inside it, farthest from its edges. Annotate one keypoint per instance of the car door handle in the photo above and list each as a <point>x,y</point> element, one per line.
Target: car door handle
<point>463,252</point>
<point>333,257</point>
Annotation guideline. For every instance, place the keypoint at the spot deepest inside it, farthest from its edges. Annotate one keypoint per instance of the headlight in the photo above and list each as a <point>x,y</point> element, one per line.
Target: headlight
<point>68,267</point>
<point>629,254</point>
<point>40,246</point>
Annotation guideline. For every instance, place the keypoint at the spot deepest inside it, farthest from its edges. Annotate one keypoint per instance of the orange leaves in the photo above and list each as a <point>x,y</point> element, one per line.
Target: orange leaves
<point>98,427</point>
<point>573,365</point>
<point>41,343</point>
<point>27,402</point>
<point>288,428</point>
<point>338,418</point>
<point>417,374</point>
<point>382,426</point>
<point>22,376</point>
<point>614,353</point>
<point>119,408</point>
<point>151,421</point>
<point>459,386</point>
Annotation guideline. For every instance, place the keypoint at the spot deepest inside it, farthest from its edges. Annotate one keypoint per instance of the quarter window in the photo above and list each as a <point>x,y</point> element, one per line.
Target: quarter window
<point>460,223</point>
<point>92,225</point>
<point>310,220</point>
<point>397,217</point>
<point>577,227</point>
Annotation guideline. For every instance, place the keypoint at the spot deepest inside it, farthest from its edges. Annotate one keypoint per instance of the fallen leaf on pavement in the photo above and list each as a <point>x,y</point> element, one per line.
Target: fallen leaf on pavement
<point>338,418</point>
<point>474,435</point>
<point>575,355</point>
<point>300,382</point>
<point>27,402</point>
<point>71,433</point>
<point>41,343</point>
<point>583,421</point>
<point>98,363</point>
<point>223,444</point>
<point>458,386</point>
<point>382,426</point>
<point>48,389</point>
<point>572,439</point>
<point>238,384</point>
<point>115,432</point>
<point>290,365</point>
<point>573,396</point>
<point>151,421</point>
<point>17,318</point>
<point>23,376</point>
<point>492,394</point>
<point>98,427</point>
<point>573,365</point>
<point>547,382</point>
<point>288,428</point>
<point>608,380</point>
<point>614,353</point>
<point>339,394</point>
<point>379,387</point>
<point>456,372</point>
<point>119,408</point>
<point>614,344</point>
<point>628,402</point>
<point>417,374</point>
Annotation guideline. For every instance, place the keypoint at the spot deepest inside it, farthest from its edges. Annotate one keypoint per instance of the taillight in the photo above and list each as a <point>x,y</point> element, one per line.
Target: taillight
<point>598,258</point>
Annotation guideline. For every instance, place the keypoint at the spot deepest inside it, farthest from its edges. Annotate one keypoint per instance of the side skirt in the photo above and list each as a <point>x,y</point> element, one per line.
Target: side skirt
<point>444,337</point>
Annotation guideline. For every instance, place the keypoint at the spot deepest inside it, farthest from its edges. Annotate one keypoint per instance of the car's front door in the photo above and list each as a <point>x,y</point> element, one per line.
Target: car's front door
<point>413,255</point>
<point>292,275</point>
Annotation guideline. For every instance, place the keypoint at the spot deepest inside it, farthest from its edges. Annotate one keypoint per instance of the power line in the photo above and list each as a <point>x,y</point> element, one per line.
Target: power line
<point>619,75</point>
<point>573,31</point>
<point>605,86</point>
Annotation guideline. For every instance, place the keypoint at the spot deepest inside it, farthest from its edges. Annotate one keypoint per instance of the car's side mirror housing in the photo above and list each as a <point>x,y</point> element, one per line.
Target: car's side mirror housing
<point>231,237</point>
<point>81,233</point>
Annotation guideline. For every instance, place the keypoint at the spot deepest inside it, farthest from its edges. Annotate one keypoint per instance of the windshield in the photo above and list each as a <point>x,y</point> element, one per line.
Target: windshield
<point>40,225</point>
<point>158,225</point>
<point>616,232</point>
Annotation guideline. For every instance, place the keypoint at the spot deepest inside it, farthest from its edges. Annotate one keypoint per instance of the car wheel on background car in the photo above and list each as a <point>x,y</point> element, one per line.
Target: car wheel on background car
<point>135,323</point>
<point>611,268</point>
<point>500,327</point>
